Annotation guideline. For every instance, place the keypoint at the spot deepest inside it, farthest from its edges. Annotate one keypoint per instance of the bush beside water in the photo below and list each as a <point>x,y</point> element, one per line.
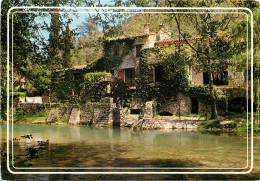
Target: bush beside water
<point>232,122</point>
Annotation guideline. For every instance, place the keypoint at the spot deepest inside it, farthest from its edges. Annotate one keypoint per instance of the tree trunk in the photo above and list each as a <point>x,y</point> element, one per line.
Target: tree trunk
<point>214,112</point>
<point>50,98</point>
<point>257,103</point>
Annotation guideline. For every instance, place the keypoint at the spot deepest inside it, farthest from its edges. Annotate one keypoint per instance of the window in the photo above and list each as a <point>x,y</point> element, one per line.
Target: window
<point>151,74</point>
<point>158,73</point>
<point>121,74</point>
<point>77,76</point>
<point>116,51</point>
<point>138,50</point>
<point>194,105</point>
<point>205,78</point>
<point>165,113</point>
<point>218,78</point>
<point>130,76</point>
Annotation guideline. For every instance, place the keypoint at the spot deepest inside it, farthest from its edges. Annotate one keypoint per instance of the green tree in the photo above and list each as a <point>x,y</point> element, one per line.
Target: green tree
<point>89,47</point>
<point>239,59</point>
<point>22,44</point>
<point>67,46</point>
<point>215,47</point>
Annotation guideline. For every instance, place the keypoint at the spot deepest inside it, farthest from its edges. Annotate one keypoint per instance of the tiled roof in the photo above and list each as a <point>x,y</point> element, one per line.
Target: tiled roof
<point>172,41</point>
<point>76,67</point>
<point>125,37</point>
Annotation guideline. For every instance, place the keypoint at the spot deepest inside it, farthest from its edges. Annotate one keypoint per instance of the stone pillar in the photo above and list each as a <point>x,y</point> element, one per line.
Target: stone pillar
<point>148,111</point>
<point>117,116</point>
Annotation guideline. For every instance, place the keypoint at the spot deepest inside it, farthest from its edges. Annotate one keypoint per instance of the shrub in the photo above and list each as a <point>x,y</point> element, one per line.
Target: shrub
<point>211,124</point>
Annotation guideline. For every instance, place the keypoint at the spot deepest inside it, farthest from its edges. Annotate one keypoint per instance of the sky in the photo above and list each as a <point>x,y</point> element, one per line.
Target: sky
<point>77,19</point>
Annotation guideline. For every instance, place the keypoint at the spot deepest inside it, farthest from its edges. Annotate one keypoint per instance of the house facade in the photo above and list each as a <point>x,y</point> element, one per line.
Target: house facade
<point>129,69</point>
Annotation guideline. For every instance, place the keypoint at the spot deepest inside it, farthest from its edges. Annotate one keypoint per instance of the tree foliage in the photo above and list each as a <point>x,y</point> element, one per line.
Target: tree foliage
<point>89,46</point>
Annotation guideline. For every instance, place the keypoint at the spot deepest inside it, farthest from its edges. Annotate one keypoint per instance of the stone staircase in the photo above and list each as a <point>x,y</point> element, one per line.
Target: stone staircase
<point>51,117</point>
<point>75,116</point>
<point>105,117</point>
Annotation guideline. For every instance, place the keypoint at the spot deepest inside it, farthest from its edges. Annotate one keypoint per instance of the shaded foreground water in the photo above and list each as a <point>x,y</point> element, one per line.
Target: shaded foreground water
<point>83,147</point>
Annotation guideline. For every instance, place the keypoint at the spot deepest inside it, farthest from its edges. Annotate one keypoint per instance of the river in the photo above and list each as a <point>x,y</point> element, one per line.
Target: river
<point>80,148</point>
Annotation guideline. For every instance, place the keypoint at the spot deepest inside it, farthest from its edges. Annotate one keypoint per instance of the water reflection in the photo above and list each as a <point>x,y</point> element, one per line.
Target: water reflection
<point>73,146</point>
<point>101,146</point>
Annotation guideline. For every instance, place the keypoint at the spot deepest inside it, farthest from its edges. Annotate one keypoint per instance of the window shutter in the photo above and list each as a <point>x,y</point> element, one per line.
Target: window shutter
<point>121,74</point>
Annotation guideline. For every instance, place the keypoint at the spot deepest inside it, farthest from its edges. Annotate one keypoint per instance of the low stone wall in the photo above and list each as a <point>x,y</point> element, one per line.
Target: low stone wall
<point>182,104</point>
<point>129,121</point>
<point>177,124</point>
<point>168,123</point>
<point>106,114</point>
<point>31,107</point>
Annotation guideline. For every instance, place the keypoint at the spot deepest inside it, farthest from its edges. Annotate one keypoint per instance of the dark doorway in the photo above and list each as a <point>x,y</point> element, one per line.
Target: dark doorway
<point>239,105</point>
<point>165,113</point>
<point>194,105</point>
<point>135,111</point>
<point>158,73</point>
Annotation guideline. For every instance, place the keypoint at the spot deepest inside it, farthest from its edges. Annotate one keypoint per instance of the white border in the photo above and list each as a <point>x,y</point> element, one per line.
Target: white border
<point>137,168</point>
<point>251,167</point>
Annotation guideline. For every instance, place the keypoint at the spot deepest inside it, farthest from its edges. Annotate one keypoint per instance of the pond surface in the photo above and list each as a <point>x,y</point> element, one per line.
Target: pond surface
<point>79,147</point>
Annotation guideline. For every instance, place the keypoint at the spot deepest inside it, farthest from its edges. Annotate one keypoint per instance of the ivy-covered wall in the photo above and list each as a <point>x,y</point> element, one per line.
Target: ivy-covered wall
<point>175,80</point>
<point>112,59</point>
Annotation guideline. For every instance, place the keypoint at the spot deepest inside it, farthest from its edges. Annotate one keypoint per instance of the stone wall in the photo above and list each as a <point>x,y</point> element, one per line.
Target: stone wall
<point>129,120</point>
<point>64,110</point>
<point>98,114</point>
<point>232,93</point>
<point>237,79</point>
<point>106,114</point>
<point>148,111</point>
<point>182,104</point>
<point>89,113</point>
<point>30,107</point>
<point>168,123</point>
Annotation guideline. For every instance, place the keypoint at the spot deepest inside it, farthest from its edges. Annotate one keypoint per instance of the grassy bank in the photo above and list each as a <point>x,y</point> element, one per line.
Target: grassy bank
<point>231,123</point>
<point>38,117</point>
<point>30,118</point>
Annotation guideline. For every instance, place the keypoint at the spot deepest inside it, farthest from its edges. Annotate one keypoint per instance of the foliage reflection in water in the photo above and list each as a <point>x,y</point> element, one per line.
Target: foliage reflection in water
<point>91,147</point>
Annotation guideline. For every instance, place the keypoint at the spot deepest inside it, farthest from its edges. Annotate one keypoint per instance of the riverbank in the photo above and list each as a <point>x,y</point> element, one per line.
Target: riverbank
<point>228,123</point>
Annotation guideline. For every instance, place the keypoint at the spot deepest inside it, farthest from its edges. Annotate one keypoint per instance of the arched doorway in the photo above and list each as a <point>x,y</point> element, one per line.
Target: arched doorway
<point>239,105</point>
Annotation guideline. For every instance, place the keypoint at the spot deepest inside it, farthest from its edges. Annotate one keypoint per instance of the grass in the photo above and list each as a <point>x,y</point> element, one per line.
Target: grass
<point>234,116</point>
<point>229,122</point>
<point>29,118</point>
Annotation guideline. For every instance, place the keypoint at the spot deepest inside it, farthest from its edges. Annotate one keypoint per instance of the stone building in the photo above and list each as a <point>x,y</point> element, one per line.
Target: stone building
<point>129,69</point>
